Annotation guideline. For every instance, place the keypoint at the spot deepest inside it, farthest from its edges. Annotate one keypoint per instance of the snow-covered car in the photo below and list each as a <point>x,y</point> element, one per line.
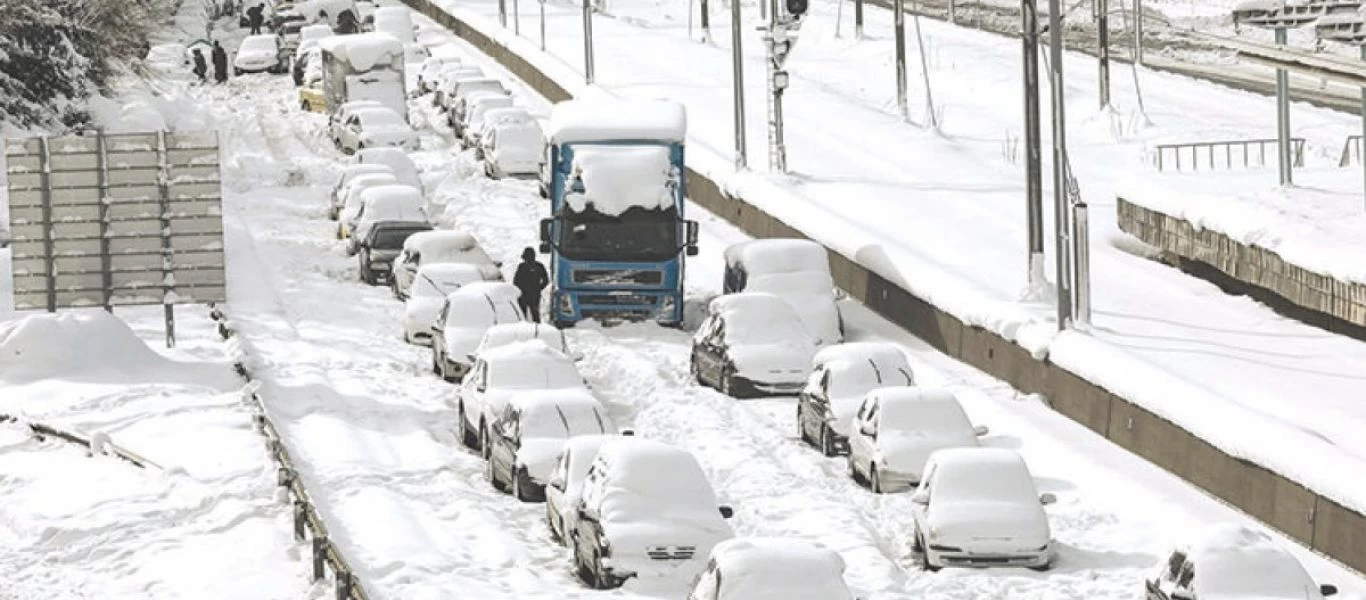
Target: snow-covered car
<point>511,143</point>
<point>978,507</point>
<point>375,127</point>
<point>524,331</point>
<point>456,100</point>
<point>476,106</point>
<point>312,99</point>
<point>336,119</point>
<point>393,202</point>
<point>1229,561</point>
<point>772,568</point>
<point>258,54</point>
<point>841,375</point>
<point>395,21</point>
<point>376,249</point>
<point>170,58</point>
<point>448,78</point>
<point>313,33</point>
<point>396,159</point>
<point>288,32</point>
<point>436,247</point>
<point>348,175</point>
<point>646,509</point>
<point>898,428</point>
<point>502,372</point>
<point>431,68</point>
<point>796,270</point>
<point>433,283</point>
<point>349,198</point>
<point>566,482</point>
<point>752,344</point>
<point>466,315</point>
<point>534,426</point>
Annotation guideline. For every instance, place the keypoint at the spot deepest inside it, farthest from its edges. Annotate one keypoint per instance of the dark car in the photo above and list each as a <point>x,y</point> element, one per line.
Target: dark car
<point>526,440</point>
<point>381,245</point>
<point>752,344</point>
<point>841,376</point>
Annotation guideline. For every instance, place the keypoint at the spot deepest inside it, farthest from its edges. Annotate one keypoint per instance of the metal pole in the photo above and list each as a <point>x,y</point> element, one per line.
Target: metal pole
<point>953,12</point>
<point>1029,26</point>
<point>516,18</point>
<point>858,19</point>
<point>542,24</point>
<point>738,78</point>
<point>1060,209</point>
<point>1138,32</point>
<point>706,22</point>
<point>1082,235</point>
<point>49,251</point>
<point>106,258</point>
<point>588,41</point>
<point>1103,49</point>
<point>1361,144</point>
<point>1283,116</point>
<point>167,252</point>
<point>899,18</point>
<point>502,13</point>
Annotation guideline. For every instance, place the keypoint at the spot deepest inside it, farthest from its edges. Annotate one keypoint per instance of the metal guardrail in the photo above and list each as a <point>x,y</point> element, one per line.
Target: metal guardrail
<point>1207,152</point>
<point>1353,143</point>
<point>42,431</point>
<point>308,525</point>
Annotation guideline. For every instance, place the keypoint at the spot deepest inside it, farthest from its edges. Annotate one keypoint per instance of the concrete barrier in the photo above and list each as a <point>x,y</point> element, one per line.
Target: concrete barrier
<point>1317,522</point>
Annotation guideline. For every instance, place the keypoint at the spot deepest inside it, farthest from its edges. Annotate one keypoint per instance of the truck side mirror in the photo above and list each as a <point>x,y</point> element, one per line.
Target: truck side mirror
<point>545,248</point>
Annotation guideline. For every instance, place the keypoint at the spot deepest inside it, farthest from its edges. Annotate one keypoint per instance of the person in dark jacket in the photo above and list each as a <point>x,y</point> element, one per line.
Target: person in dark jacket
<point>346,23</point>
<point>531,278</point>
<point>200,67</point>
<point>220,63</point>
<point>255,16</point>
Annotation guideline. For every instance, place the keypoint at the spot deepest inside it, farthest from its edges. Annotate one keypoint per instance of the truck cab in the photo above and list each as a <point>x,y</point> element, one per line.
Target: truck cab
<point>617,236</point>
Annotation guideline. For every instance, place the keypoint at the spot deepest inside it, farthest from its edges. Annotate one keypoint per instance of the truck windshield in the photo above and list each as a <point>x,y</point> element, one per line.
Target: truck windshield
<point>637,235</point>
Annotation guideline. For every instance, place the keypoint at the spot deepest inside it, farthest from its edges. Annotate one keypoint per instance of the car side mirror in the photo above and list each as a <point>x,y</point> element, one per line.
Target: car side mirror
<point>557,482</point>
<point>868,429</point>
<point>921,497</point>
<point>587,515</point>
<point>544,248</point>
<point>981,430</point>
<point>1047,498</point>
<point>726,512</point>
<point>472,359</point>
<point>1328,590</point>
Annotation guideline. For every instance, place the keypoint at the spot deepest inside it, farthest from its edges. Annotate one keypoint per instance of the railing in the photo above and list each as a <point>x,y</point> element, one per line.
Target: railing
<point>1353,143</point>
<point>1232,152</point>
<point>306,519</point>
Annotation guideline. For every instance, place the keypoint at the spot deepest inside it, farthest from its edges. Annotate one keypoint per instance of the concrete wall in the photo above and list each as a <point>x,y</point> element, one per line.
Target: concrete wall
<point>1337,531</point>
<point>1322,300</point>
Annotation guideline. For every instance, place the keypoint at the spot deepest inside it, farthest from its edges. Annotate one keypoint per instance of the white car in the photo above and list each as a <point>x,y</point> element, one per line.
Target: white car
<point>393,202</point>
<point>435,247</point>
<point>431,68</point>
<point>524,331</point>
<point>1228,561</point>
<point>646,509</point>
<point>313,33</point>
<point>449,78</point>
<point>566,483</point>
<point>349,198</point>
<point>772,568</point>
<point>476,106</point>
<point>502,372</point>
<point>511,143</point>
<point>395,21</point>
<point>457,100</point>
<point>258,54</point>
<point>534,426</point>
<point>978,507</point>
<point>375,127</point>
<point>796,270</point>
<point>171,58</point>
<point>841,375</point>
<point>348,175</point>
<point>434,282</point>
<point>752,344</point>
<point>396,159</point>
<point>464,318</point>
<point>343,112</point>
<point>898,428</point>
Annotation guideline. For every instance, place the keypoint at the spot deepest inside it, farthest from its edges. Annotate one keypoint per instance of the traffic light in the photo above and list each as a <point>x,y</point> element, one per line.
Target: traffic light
<point>796,8</point>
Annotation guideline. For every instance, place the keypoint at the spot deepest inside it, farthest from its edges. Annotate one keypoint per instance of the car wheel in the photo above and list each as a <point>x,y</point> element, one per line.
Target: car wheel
<point>466,437</point>
<point>801,427</point>
<point>584,571</point>
<point>916,546</point>
<point>436,366</point>
<point>723,383</point>
<point>853,470</point>
<point>925,563</point>
<point>484,449</point>
<point>874,481</point>
<point>518,489</point>
<point>828,441</point>
<point>445,370</point>
<point>491,474</point>
<point>550,525</point>
<point>601,580</point>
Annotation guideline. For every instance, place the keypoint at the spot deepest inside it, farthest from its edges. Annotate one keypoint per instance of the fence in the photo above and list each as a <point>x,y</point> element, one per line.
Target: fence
<point>307,524</point>
<point>1353,143</point>
<point>1210,150</point>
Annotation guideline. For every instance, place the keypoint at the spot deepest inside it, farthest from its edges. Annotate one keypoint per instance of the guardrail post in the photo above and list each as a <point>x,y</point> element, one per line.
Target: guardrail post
<point>343,585</point>
<point>284,477</point>
<point>320,558</point>
<point>300,520</point>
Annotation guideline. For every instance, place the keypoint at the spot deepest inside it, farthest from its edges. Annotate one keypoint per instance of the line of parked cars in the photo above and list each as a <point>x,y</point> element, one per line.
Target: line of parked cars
<point>482,114</point>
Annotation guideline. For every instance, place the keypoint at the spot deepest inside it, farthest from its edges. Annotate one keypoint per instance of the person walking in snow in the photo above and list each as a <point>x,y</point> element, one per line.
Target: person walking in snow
<point>346,23</point>
<point>220,63</point>
<point>255,16</point>
<point>531,278</point>
<point>200,67</point>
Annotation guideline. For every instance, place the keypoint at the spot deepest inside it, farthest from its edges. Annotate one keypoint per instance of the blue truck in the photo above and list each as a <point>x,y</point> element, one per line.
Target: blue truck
<point>616,235</point>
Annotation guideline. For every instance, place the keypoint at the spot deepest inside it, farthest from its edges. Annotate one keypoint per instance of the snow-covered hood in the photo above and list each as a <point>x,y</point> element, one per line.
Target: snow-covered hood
<point>844,410</point>
<point>460,343</point>
<point>256,56</point>
<point>391,133</point>
<point>983,523</point>
<point>538,455</point>
<point>906,453</point>
<point>771,363</point>
<point>630,540</point>
<point>422,311</point>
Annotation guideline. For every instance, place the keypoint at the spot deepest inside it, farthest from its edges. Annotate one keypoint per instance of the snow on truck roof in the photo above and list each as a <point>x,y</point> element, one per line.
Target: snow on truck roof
<point>363,50</point>
<point>617,178</point>
<point>607,120</point>
<point>757,568</point>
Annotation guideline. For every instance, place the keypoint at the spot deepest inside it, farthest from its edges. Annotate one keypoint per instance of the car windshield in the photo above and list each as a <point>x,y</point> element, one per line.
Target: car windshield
<point>440,285</point>
<point>983,481</point>
<point>926,415</point>
<point>859,378</point>
<point>563,421</point>
<point>391,239</point>
<point>753,327</point>
<point>380,118</point>
<point>258,44</point>
<point>639,234</point>
<point>536,373</point>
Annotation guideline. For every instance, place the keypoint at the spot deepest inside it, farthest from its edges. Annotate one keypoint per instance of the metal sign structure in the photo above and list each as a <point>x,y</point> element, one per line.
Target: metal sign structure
<point>116,220</point>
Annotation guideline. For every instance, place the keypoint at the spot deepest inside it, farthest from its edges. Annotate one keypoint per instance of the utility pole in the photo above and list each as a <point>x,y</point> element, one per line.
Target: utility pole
<point>1138,32</point>
<point>738,79</point>
<point>1061,211</point>
<point>858,19</point>
<point>1029,28</point>
<point>899,20</point>
<point>779,41</point>
<point>1283,116</point>
<point>588,41</point>
<point>1103,49</point>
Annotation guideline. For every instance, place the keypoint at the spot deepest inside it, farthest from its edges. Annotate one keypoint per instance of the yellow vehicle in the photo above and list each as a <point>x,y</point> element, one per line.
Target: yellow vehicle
<point>312,99</point>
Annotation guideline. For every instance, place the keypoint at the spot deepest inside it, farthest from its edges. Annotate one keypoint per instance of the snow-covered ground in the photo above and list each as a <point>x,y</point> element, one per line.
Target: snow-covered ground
<point>940,212</point>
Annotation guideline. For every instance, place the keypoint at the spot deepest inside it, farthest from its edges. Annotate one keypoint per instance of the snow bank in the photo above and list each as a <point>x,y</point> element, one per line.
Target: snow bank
<point>617,178</point>
<point>615,119</point>
<point>48,345</point>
